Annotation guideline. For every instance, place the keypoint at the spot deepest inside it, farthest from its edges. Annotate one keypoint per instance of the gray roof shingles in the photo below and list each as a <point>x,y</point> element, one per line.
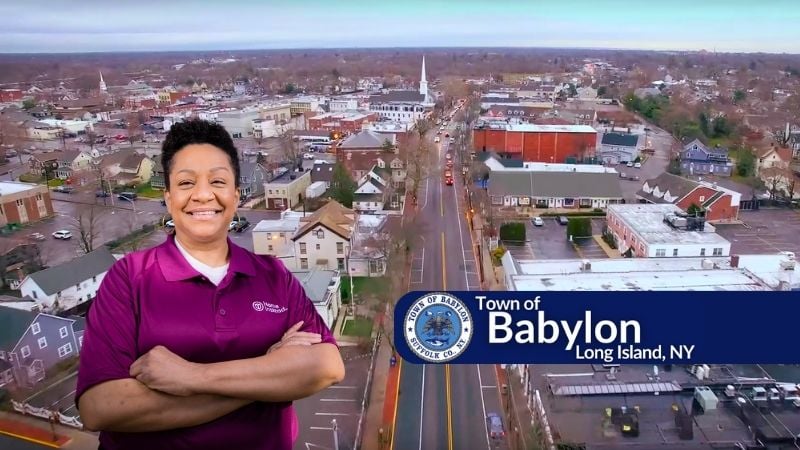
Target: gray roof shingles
<point>13,323</point>
<point>60,277</point>
<point>555,184</point>
<point>677,186</point>
<point>620,139</point>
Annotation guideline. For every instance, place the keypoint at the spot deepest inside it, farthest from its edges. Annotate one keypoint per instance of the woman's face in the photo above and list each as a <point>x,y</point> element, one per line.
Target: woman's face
<point>202,197</point>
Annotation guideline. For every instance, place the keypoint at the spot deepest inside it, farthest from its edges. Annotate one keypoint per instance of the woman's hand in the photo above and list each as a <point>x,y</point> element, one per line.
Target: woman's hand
<point>164,371</point>
<point>295,337</point>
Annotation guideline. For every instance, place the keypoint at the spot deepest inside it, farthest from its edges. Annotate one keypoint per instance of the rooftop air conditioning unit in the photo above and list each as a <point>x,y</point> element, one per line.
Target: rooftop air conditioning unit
<point>706,264</point>
<point>586,265</point>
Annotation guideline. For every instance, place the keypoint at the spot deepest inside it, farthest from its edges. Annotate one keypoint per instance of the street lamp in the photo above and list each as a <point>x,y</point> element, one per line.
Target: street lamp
<point>133,202</point>
<point>335,434</point>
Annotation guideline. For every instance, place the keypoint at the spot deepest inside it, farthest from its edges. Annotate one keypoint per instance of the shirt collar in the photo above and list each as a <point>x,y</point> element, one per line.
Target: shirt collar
<point>174,266</point>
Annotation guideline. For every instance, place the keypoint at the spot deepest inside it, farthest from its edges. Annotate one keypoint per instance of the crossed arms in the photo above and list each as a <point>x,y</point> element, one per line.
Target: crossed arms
<point>168,392</point>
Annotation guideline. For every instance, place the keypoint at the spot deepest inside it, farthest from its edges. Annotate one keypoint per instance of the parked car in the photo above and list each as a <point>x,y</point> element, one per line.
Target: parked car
<point>102,194</point>
<point>62,234</point>
<point>240,225</point>
<point>637,165</point>
<point>495,426</point>
<point>630,164</point>
<point>37,236</point>
<point>308,156</point>
<point>64,189</point>
<point>537,221</point>
<point>563,220</point>
<point>128,196</point>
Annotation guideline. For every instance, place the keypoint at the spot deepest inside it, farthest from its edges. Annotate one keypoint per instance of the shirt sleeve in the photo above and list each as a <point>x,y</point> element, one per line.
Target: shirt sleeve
<point>302,308</point>
<point>109,340</point>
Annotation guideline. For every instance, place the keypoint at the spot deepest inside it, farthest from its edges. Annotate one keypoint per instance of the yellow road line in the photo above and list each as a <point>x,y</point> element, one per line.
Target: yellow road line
<point>449,409</point>
<point>30,439</point>
<point>444,272</point>
<point>396,402</point>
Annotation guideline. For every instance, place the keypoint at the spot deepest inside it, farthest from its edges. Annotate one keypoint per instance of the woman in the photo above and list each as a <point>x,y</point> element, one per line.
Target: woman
<point>198,343</point>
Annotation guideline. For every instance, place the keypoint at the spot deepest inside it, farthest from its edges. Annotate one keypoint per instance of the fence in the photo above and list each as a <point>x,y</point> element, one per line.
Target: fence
<point>368,388</point>
<point>47,414</point>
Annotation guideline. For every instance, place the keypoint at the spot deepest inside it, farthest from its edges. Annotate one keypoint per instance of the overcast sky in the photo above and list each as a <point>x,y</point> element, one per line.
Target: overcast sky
<point>92,25</point>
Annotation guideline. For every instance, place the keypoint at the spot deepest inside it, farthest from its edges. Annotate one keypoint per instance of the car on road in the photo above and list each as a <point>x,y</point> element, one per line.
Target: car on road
<point>64,189</point>
<point>495,426</point>
<point>308,156</point>
<point>563,220</point>
<point>239,225</point>
<point>448,156</point>
<point>637,165</point>
<point>452,140</point>
<point>447,135</point>
<point>537,221</point>
<point>62,234</point>
<point>130,196</point>
<point>36,236</point>
<point>436,139</point>
<point>102,194</point>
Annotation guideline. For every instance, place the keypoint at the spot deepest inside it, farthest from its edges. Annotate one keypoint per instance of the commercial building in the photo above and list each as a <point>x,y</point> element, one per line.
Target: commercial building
<point>23,202</point>
<point>536,143</point>
<point>286,190</point>
<point>663,231</point>
<point>720,204</point>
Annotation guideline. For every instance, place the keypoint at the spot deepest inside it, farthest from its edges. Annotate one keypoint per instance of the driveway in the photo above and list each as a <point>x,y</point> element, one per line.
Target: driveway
<point>764,231</point>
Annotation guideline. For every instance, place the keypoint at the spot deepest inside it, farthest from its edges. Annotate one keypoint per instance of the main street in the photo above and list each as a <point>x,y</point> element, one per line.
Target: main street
<point>444,406</point>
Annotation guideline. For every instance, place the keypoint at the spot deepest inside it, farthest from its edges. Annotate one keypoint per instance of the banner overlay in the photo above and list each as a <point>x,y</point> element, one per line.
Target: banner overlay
<point>695,327</point>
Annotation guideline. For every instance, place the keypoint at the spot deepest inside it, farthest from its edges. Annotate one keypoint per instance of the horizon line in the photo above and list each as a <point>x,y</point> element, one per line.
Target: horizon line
<point>285,49</point>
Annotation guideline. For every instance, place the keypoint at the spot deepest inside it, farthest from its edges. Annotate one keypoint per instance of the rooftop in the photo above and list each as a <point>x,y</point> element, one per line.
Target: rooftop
<point>750,273</point>
<point>647,220</point>
<point>533,128</point>
<point>316,283</point>
<point>12,187</point>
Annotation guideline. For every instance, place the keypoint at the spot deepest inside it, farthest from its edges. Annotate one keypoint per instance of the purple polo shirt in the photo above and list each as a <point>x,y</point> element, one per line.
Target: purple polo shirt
<point>256,302</point>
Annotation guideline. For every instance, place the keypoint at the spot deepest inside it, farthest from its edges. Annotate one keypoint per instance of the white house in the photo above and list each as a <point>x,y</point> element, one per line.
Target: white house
<point>369,194</point>
<point>322,287</point>
<point>63,287</point>
<point>274,237</point>
<point>323,240</point>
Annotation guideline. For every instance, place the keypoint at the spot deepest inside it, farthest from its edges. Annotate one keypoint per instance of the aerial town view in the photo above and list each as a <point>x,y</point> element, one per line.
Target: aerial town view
<point>388,147</point>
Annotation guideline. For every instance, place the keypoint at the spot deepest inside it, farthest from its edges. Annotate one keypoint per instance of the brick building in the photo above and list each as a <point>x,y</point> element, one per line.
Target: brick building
<point>23,202</point>
<point>343,122</point>
<point>10,95</point>
<point>536,143</point>
<point>721,204</point>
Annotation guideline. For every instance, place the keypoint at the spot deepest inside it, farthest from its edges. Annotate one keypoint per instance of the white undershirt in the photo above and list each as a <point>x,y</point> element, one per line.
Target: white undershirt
<point>214,274</point>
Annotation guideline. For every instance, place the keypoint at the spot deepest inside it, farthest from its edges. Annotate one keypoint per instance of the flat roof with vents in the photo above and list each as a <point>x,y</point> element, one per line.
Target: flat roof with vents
<point>614,388</point>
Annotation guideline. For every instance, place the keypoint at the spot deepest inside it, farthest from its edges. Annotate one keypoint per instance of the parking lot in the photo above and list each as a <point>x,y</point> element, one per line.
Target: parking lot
<point>549,241</point>
<point>341,402</point>
<point>764,231</point>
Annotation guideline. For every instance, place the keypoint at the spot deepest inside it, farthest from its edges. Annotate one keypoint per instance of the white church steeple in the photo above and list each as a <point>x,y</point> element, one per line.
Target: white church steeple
<point>423,82</point>
<point>103,87</point>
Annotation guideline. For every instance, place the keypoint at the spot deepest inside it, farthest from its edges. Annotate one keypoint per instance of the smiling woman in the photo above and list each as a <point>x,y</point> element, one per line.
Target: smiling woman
<point>180,350</point>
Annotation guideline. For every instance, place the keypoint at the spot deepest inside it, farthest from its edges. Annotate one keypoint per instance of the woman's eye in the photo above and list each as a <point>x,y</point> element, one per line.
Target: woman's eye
<point>218,182</point>
<point>185,183</point>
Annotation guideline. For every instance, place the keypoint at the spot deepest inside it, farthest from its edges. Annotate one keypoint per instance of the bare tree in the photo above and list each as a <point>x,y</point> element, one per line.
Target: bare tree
<point>419,156</point>
<point>288,145</point>
<point>87,225</point>
<point>133,126</point>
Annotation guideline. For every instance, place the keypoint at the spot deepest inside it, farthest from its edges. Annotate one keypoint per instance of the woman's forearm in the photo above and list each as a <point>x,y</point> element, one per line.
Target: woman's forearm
<point>286,374</point>
<point>129,406</point>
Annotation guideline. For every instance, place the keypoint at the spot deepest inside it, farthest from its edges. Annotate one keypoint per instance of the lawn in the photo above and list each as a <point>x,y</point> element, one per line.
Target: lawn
<point>146,191</point>
<point>360,326</point>
<point>361,285</point>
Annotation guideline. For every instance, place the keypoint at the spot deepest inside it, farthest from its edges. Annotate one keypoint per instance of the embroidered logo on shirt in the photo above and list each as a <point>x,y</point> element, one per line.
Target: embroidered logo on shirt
<point>268,307</point>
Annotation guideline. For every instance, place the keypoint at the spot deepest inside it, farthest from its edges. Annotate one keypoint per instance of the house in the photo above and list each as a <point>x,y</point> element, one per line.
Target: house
<point>773,157</point>
<point>698,159</point>
<point>287,189</point>
<point>71,161</point>
<point>31,343</point>
<point>361,152</point>
<point>322,171</point>
<point>252,177</point>
<point>720,204</point>
<point>616,148</point>
<point>69,286</point>
<point>513,183</point>
<point>24,202</point>
<point>133,170</point>
<point>157,180</point>
<point>322,288</point>
<point>274,237</point>
<point>663,231</point>
<point>17,261</point>
<point>323,239</point>
<point>369,195</point>
<point>368,248</point>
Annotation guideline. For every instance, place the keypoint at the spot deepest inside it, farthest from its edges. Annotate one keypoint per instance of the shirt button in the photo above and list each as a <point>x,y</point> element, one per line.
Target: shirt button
<point>221,312</point>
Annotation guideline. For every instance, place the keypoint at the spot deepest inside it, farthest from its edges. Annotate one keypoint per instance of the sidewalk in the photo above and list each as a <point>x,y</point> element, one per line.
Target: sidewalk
<point>35,430</point>
<point>382,400</point>
<point>519,427</point>
<point>611,252</point>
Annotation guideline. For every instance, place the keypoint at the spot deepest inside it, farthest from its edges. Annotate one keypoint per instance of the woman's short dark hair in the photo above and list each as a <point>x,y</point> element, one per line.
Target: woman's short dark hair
<point>196,131</point>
